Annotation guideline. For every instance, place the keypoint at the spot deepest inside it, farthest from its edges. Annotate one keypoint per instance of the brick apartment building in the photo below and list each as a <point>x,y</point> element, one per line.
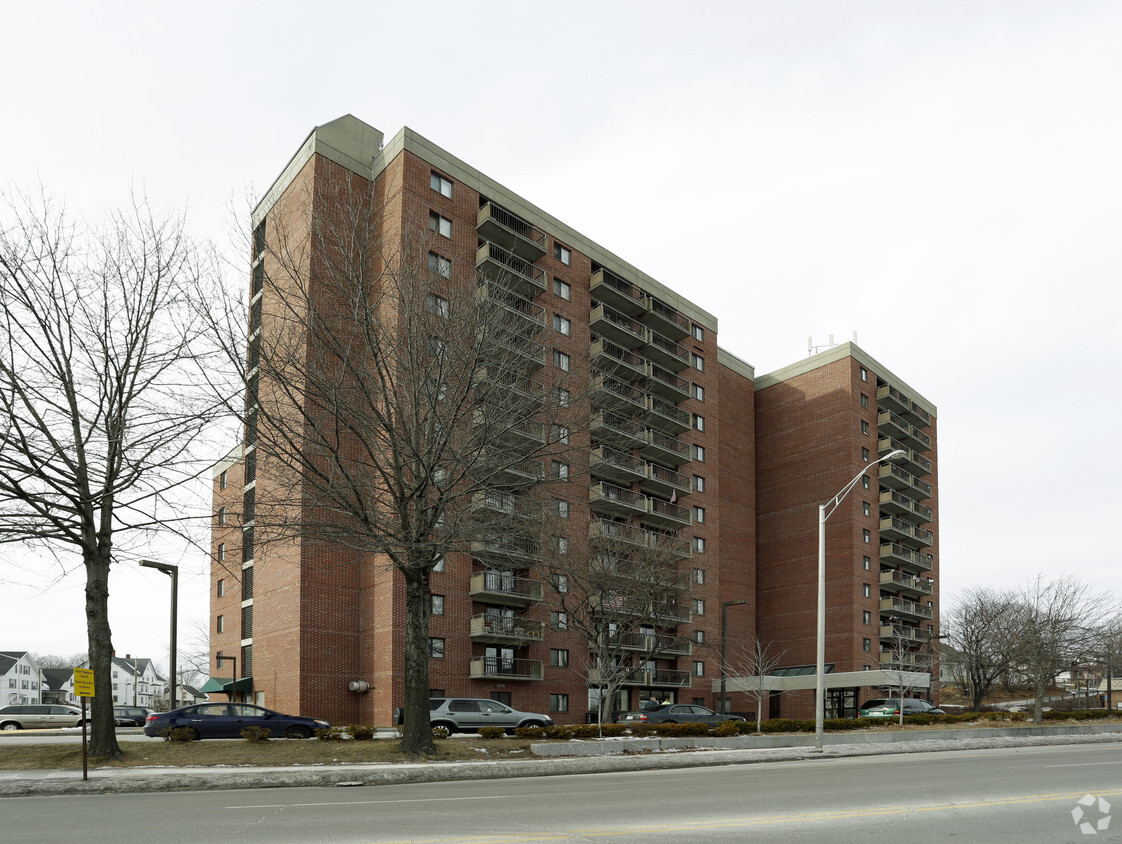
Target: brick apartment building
<point>686,448</point>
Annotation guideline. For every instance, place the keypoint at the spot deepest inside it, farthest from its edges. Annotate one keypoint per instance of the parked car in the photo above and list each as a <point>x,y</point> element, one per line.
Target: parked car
<point>131,716</point>
<point>449,715</point>
<point>890,708</point>
<point>227,720</point>
<point>676,713</point>
<point>39,716</point>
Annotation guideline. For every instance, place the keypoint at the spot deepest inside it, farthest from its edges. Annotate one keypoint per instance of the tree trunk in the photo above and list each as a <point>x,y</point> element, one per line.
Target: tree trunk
<point>416,734</point>
<point>1038,704</point>
<point>103,735</point>
<point>759,712</point>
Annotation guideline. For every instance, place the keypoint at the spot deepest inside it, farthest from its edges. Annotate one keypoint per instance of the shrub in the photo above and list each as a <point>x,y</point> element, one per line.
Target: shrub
<point>680,730</point>
<point>256,734</point>
<point>179,734</point>
<point>743,727</point>
<point>850,723</point>
<point>360,732</point>
<point>491,732</point>
<point>330,734</point>
<point>614,730</point>
<point>642,730</point>
<point>727,728</point>
<point>787,725</point>
<point>530,732</point>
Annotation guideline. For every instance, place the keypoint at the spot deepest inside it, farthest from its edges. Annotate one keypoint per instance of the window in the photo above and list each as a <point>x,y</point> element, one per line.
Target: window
<point>699,544</point>
<point>562,397</point>
<point>866,617</point>
<point>561,360</point>
<point>868,563</point>
<point>438,348</point>
<point>560,470</point>
<point>437,305</point>
<point>866,508</point>
<point>439,475</point>
<point>699,422</point>
<point>221,551</point>
<point>864,400</point>
<point>699,515</point>
<point>699,363</point>
<point>440,184</point>
<point>865,454</point>
<point>562,324</point>
<point>439,564</point>
<point>558,658</point>
<point>220,590</point>
<point>221,515</point>
<point>562,289</point>
<point>865,481</point>
<point>699,392</point>
<point>561,434</point>
<point>698,668</point>
<point>559,620</point>
<point>864,427</point>
<point>866,645</point>
<point>437,604</point>
<point>699,637</point>
<point>561,545</point>
<point>699,606</point>
<point>698,333</point>
<point>222,481</point>
<point>563,254</point>
<point>436,648</point>
<point>558,703</point>
<point>864,374</point>
<point>220,624</point>
<point>561,582</point>
<point>867,536</point>
<point>699,575</point>
<point>561,508</point>
<point>440,225</point>
<point>440,265</point>
<point>867,589</point>
<point>699,453</point>
<point>698,483</point>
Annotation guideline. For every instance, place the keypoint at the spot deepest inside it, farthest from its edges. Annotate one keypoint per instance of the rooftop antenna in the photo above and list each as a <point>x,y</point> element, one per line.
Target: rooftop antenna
<point>812,349</point>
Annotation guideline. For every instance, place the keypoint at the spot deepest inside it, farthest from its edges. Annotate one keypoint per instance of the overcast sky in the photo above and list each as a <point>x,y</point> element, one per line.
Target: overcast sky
<point>941,177</point>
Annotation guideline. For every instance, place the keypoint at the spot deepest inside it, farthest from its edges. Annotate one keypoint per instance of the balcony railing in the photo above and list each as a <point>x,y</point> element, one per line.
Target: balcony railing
<point>665,513</point>
<point>915,463</point>
<point>619,430</point>
<point>893,477</point>
<point>892,553</point>
<point>616,465</point>
<point>612,358</point>
<point>524,315</point>
<point>519,551</point>
<point>607,287</point>
<point>901,633</point>
<point>665,351</point>
<point>524,351</point>
<point>653,643</point>
<point>604,531</point>
<point>618,327</point>
<point>614,499</point>
<point>665,447</point>
<point>899,530</point>
<point>524,239</point>
<point>506,668</point>
<point>613,393</point>
<point>895,504</point>
<point>663,481</point>
<point>665,383</point>
<point>501,587</point>
<point>667,417</point>
<point>889,398</point>
<point>666,320</point>
<point>508,270</point>
<point>891,658</point>
<point>504,468</point>
<point>489,627</point>
<point>898,606</point>
<point>896,581</point>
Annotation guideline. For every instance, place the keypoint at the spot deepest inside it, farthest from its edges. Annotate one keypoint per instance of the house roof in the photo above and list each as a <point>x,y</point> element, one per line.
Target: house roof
<point>8,659</point>
<point>56,678</point>
<point>137,666</point>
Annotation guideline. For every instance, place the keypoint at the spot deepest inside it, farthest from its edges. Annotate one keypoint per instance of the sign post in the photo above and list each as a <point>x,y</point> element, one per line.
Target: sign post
<point>84,688</point>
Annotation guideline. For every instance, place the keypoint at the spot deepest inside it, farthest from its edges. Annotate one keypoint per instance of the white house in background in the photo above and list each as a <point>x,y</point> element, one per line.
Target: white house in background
<point>19,678</point>
<point>135,681</point>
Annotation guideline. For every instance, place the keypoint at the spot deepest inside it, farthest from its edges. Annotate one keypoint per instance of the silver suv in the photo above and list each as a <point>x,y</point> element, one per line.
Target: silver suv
<point>467,714</point>
<point>39,716</point>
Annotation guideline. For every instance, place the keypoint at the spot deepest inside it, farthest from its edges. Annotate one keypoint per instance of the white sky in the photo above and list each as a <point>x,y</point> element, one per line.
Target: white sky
<point>941,177</point>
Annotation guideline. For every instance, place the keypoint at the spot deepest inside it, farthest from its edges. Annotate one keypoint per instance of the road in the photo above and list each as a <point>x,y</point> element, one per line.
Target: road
<point>1014,794</point>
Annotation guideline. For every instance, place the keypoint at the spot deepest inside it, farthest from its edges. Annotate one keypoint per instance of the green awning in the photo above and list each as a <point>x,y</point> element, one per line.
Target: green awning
<point>222,685</point>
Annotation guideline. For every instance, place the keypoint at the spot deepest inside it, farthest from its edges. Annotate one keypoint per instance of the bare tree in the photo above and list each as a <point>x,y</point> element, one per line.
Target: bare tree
<point>754,661</point>
<point>980,626</point>
<point>624,594</point>
<point>1055,626</point>
<point>905,671</point>
<point>99,357</point>
<point>55,661</point>
<point>391,410</point>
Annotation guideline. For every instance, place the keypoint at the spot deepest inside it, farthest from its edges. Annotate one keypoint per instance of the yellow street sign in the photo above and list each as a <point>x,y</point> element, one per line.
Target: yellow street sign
<point>83,682</point>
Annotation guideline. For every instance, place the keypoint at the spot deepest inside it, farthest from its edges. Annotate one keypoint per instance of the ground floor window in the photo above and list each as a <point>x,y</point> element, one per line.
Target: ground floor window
<point>558,703</point>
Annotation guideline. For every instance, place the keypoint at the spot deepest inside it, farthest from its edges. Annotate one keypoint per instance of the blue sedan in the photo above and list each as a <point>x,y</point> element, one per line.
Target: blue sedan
<point>227,720</point>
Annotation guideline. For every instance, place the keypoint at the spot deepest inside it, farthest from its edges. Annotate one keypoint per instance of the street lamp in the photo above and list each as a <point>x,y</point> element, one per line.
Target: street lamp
<point>233,683</point>
<point>725,647</point>
<point>172,572</point>
<point>824,512</point>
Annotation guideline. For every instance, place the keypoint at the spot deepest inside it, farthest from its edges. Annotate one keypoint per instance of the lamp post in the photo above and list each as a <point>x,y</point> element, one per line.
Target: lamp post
<point>824,512</point>
<point>233,683</point>
<point>172,572</point>
<point>725,647</point>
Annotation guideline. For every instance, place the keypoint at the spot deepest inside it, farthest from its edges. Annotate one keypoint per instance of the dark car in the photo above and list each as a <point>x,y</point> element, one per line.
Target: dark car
<point>131,716</point>
<point>676,713</point>
<point>890,708</point>
<point>227,720</point>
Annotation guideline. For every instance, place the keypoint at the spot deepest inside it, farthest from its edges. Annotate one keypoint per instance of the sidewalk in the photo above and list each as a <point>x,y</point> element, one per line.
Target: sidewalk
<point>596,757</point>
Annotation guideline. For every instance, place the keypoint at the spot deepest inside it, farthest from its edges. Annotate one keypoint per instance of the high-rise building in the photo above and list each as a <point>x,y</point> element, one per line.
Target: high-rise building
<point>684,451</point>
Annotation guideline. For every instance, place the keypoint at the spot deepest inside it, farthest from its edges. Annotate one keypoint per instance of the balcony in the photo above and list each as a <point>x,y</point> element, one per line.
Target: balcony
<point>506,630</point>
<point>905,609</point>
<point>624,538</point>
<point>917,438</point>
<point>665,448</point>
<point>506,469</point>
<point>665,383</point>
<point>915,463</point>
<point>522,351</point>
<point>615,465</point>
<point>664,351</point>
<point>510,271</point>
<point>618,327</point>
<point>662,481</point>
<point>900,633</point>
<point>666,574</point>
<point>670,544</point>
<point>615,500</point>
<point>613,394</point>
<point>893,477</point>
<point>619,430</point>
<point>667,417</point>
<point>524,316</point>
<point>906,584</point>
<point>898,530</point>
<point>895,504</point>
<point>894,554</point>
<point>665,514</point>
<point>500,587</point>
<point>607,287</point>
<point>505,668</point>
<point>899,660</point>
<point>666,677</point>
<point>613,359</point>
<point>514,551</point>
<point>918,415</point>
<point>666,320</point>
<point>893,424</point>
<point>889,398</point>
<point>505,384</point>
<point>496,224</point>
<point>512,508</point>
<point>650,643</point>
